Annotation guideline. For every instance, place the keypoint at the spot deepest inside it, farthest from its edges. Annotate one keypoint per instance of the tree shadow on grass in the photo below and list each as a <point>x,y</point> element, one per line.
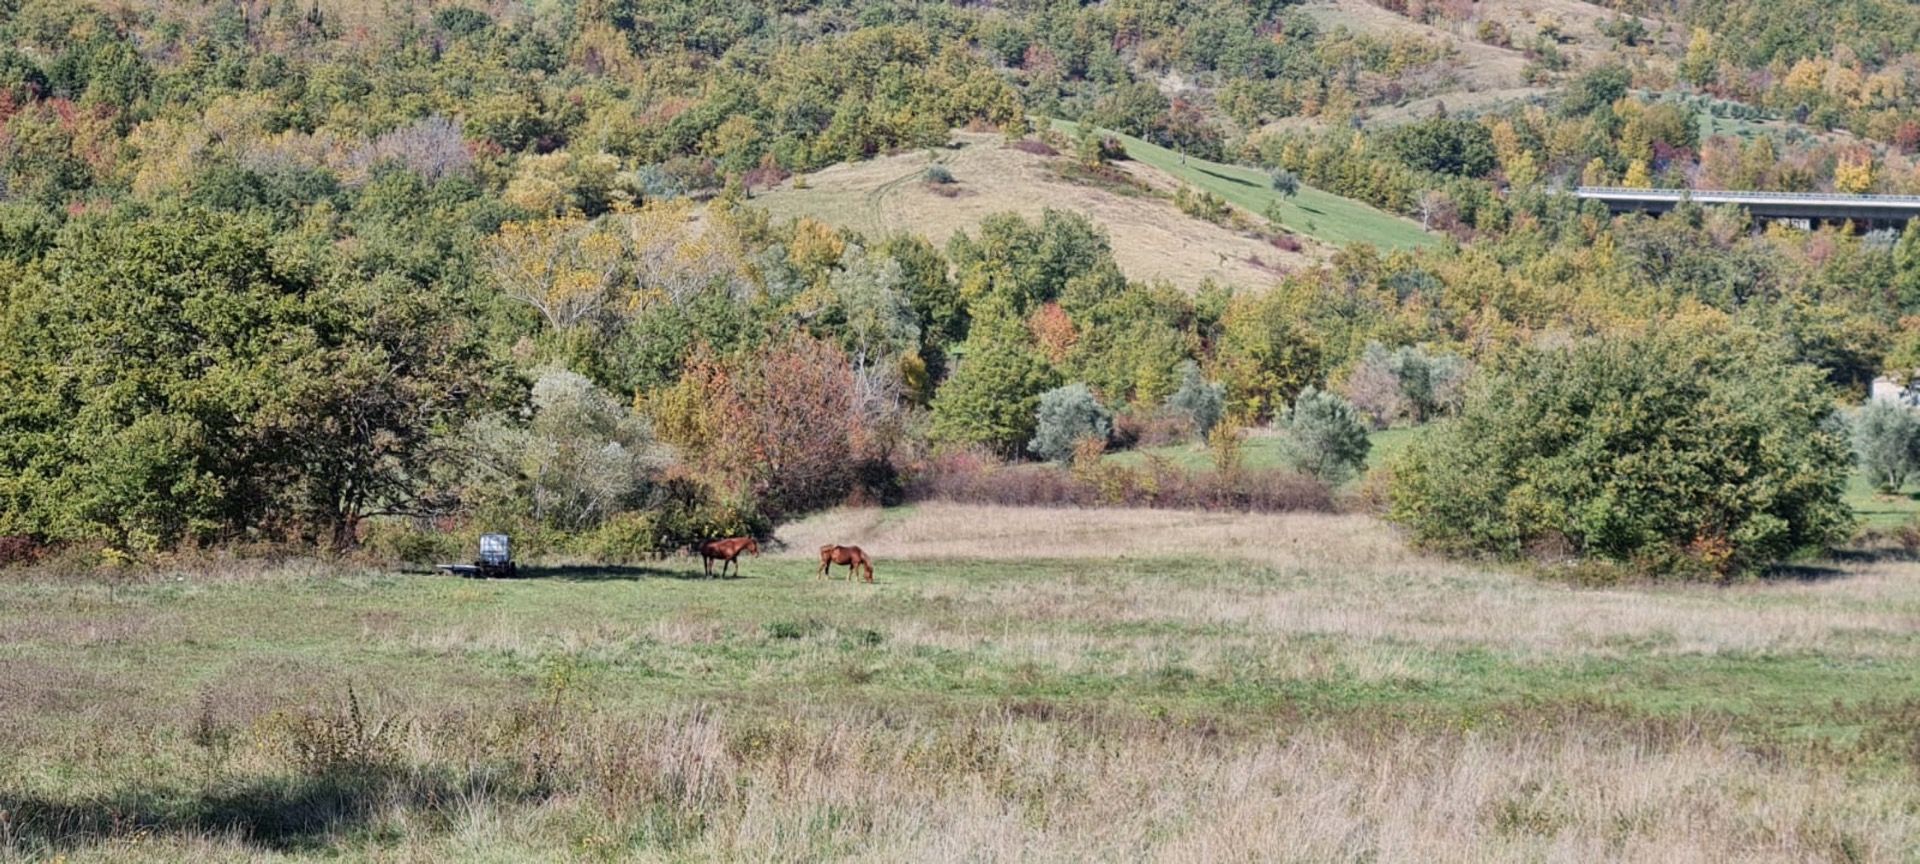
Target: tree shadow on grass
<point>288,814</point>
<point>1872,555</point>
<point>604,572</point>
<point>1837,564</point>
<point>1805,572</point>
<point>1219,176</point>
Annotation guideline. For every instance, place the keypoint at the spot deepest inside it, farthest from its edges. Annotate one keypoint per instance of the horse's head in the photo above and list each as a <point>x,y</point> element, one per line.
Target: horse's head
<point>753,546</point>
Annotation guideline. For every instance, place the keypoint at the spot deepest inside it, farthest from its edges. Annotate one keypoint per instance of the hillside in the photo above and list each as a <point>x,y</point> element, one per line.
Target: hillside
<point>1423,511</point>
<point>1489,72</point>
<point>1151,238</point>
<point>1321,215</point>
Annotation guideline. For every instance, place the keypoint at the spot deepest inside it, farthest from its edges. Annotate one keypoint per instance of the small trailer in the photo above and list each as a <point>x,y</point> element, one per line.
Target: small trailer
<point>496,559</point>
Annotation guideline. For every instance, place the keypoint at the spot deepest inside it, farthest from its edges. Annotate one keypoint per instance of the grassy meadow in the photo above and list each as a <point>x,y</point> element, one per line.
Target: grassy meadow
<point>1880,510</point>
<point>1321,215</point>
<point>1018,685</point>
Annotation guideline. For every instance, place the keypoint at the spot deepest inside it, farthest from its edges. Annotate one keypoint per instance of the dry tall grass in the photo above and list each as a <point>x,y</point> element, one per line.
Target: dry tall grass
<point>1000,786</point>
<point>1346,575</point>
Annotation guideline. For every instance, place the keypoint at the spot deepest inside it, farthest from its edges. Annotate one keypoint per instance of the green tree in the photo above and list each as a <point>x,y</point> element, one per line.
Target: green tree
<point>1906,279</point>
<point>1065,416</point>
<point>1445,145</point>
<point>1326,436</point>
<point>1597,89</point>
<point>1128,339</point>
<point>136,362</point>
<point>1201,401</point>
<point>1887,439</point>
<point>378,404</point>
<point>1681,452</point>
<point>1012,265</point>
<point>1265,356</point>
<point>937,308</point>
<point>177,377</point>
<point>1136,109</point>
<point>991,398</point>
<point>582,457</point>
<point>1285,182</point>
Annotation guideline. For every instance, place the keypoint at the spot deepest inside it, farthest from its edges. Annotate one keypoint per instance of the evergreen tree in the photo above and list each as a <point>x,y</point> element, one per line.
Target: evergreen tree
<point>992,396</point>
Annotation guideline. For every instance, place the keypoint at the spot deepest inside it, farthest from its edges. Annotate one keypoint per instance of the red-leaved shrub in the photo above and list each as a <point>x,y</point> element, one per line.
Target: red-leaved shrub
<point>18,549</point>
<point>765,177</point>
<point>1156,428</point>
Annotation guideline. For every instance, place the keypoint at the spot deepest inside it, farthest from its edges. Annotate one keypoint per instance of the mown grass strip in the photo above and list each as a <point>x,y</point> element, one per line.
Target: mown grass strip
<point>1314,212</point>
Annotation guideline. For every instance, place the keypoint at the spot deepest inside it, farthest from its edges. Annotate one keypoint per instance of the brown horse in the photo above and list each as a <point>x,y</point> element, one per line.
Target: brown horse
<point>848,555</point>
<point>727,551</point>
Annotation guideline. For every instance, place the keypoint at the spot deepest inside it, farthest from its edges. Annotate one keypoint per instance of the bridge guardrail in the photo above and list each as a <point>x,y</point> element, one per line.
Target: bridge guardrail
<point>1749,195</point>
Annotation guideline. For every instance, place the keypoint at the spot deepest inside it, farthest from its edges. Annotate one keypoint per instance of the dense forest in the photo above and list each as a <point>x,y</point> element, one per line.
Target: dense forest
<point>380,274</point>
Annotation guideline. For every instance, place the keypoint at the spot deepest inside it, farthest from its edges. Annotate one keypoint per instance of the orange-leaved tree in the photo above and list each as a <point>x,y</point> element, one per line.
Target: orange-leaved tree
<point>776,424</point>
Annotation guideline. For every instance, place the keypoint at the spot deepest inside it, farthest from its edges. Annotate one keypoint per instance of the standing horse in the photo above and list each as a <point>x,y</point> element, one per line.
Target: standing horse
<point>848,555</point>
<point>727,551</point>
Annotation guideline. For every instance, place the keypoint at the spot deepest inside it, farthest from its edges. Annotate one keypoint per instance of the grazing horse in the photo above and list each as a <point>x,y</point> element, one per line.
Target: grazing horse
<point>848,555</point>
<point>727,551</point>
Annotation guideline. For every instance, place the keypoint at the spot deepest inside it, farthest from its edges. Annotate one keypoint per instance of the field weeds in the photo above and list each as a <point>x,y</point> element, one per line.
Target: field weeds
<point>1017,783</point>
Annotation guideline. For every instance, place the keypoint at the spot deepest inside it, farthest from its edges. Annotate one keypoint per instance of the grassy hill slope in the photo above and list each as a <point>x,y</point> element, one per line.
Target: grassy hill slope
<point>1151,238</point>
<point>1321,215</point>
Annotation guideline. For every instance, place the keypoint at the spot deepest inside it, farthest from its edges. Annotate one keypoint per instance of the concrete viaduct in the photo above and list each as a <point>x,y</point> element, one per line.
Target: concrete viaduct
<point>1806,208</point>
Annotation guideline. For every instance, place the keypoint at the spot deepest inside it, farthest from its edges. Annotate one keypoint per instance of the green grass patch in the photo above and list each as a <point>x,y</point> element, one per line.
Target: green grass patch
<point>1876,509</point>
<point>1313,212</point>
<point>649,639</point>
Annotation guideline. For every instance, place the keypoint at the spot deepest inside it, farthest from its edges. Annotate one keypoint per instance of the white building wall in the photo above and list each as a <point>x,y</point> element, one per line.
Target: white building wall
<point>1886,390</point>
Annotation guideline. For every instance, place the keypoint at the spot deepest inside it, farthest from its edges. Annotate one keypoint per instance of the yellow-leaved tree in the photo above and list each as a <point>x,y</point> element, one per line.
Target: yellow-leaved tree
<point>1595,174</point>
<point>1698,65</point>
<point>1853,174</point>
<point>567,267</point>
<point>1638,177</point>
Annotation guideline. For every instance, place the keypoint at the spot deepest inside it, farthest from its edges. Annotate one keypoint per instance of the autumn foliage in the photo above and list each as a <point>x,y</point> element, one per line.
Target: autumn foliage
<point>775,425</point>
